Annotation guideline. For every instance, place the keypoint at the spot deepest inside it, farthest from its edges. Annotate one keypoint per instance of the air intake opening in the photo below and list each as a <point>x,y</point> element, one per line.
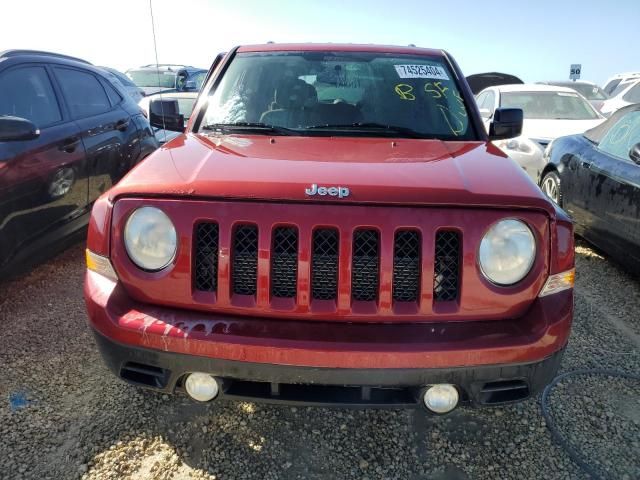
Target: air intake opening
<point>446,269</point>
<point>324,264</point>
<point>245,260</point>
<point>504,391</point>
<point>146,375</point>
<point>406,266</point>
<point>366,265</point>
<point>206,257</point>
<point>284,262</point>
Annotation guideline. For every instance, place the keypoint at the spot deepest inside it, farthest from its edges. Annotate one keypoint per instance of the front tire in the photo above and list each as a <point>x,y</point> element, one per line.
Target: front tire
<point>551,187</point>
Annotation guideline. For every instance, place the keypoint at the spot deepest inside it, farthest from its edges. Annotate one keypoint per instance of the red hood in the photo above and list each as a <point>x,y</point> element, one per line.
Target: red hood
<point>376,170</point>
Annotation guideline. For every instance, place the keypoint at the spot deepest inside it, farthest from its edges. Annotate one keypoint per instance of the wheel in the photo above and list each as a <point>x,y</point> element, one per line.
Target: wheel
<point>551,187</point>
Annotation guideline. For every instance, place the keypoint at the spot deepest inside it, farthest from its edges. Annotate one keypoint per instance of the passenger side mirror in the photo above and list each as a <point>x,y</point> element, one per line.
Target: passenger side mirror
<point>634,154</point>
<point>165,114</point>
<point>485,113</point>
<point>507,123</point>
<point>16,128</point>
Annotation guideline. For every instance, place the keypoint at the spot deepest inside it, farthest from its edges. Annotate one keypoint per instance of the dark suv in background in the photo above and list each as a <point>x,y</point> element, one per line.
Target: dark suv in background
<point>67,134</point>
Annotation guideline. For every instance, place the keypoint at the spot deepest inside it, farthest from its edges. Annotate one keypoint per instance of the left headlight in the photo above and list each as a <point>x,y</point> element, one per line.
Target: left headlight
<point>507,252</point>
<point>150,238</point>
<point>518,144</point>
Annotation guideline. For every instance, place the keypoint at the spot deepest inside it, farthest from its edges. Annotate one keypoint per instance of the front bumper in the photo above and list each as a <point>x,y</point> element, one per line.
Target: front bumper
<point>314,362</point>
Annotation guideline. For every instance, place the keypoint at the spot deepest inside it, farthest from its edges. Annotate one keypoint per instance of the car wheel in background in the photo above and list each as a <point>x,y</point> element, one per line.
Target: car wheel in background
<point>551,187</point>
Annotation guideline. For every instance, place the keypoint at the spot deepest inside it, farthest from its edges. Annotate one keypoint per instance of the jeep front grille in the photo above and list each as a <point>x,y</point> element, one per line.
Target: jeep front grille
<point>324,265</point>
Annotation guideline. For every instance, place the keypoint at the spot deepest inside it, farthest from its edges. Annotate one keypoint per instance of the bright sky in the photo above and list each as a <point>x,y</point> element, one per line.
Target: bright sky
<point>535,40</point>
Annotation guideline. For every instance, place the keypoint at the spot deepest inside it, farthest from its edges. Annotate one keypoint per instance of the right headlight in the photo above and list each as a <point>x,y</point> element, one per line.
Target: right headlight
<point>150,238</point>
<point>507,252</point>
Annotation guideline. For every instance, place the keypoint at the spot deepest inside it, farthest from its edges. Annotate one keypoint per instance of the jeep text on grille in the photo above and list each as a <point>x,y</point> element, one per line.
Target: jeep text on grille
<point>328,230</point>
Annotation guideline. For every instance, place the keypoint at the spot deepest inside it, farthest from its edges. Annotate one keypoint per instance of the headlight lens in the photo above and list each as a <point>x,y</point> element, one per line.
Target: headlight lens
<point>150,238</point>
<point>507,252</point>
<point>518,144</point>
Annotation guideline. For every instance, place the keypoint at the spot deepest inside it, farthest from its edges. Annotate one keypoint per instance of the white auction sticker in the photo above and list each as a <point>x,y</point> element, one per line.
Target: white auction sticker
<point>421,71</point>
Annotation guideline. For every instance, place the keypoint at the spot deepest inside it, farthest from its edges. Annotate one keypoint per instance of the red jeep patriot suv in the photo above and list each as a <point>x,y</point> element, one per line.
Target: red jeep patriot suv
<point>333,227</point>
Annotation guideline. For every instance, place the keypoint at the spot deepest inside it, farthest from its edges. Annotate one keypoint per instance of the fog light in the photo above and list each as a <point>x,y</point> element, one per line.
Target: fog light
<point>201,387</point>
<point>441,398</point>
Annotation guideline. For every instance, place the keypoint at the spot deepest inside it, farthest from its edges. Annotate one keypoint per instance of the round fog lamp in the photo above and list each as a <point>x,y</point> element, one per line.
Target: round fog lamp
<point>441,398</point>
<point>201,387</point>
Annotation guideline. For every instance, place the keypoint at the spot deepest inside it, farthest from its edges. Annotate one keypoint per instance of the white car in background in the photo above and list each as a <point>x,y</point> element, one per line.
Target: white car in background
<point>611,84</point>
<point>626,93</point>
<point>549,112</point>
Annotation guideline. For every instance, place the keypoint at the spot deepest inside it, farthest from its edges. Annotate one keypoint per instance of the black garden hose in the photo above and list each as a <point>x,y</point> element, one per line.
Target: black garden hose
<point>573,453</point>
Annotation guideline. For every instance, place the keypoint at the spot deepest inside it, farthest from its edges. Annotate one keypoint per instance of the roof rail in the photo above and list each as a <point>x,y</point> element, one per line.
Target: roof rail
<point>15,53</point>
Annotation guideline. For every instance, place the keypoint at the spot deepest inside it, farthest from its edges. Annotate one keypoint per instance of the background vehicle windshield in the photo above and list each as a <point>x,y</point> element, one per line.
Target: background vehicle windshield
<point>151,78</point>
<point>302,90</point>
<point>549,105</point>
<point>590,92</point>
<point>621,87</point>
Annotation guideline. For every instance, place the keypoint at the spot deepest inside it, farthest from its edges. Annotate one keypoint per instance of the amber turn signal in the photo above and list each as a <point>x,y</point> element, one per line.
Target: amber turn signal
<point>559,282</point>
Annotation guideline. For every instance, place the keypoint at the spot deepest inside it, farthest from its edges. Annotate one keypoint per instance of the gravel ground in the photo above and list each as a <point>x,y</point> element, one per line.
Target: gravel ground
<point>63,415</point>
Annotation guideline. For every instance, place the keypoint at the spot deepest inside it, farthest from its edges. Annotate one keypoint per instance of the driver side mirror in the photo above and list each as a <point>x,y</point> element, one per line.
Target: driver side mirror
<point>507,123</point>
<point>15,128</point>
<point>634,154</point>
<point>165,114</point>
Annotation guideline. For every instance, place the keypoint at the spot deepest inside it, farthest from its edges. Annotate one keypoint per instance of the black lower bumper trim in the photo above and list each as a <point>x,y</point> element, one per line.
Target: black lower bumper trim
<point>478,385</point>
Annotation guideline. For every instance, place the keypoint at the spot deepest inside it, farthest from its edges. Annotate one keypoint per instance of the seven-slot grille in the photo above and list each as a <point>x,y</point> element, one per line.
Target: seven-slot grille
<point>325,261</point>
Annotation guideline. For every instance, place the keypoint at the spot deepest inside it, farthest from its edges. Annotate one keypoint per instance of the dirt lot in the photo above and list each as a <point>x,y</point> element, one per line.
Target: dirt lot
<point>63,415</point>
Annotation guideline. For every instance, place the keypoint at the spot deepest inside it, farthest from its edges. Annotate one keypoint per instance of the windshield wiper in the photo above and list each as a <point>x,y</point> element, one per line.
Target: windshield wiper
<point>250,127</point>
<point>373,127</point>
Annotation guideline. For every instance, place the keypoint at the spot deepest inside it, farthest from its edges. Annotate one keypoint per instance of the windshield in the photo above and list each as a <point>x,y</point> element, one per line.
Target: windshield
<point>621,87</point>
<point>198,78</point>
<point>590,92</point>
<point>549,105</point>
<point>341,93</point>
<point>152,78</point>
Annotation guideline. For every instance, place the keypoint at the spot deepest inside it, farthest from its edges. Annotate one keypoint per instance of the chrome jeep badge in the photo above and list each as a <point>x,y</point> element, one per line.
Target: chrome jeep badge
<point>340,192</point>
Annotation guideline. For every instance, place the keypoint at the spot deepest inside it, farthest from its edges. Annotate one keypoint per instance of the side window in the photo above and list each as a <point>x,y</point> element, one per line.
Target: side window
<point>622,136</point>
<point>27,93</point>
<point>480,99</point>
<point>114,97</point>
<point>83,92</point>
<point>633,95</point>
<point>490,101</point>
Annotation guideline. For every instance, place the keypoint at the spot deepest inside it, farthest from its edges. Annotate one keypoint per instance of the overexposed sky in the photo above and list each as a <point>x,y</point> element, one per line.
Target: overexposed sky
<point>535,40</point>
